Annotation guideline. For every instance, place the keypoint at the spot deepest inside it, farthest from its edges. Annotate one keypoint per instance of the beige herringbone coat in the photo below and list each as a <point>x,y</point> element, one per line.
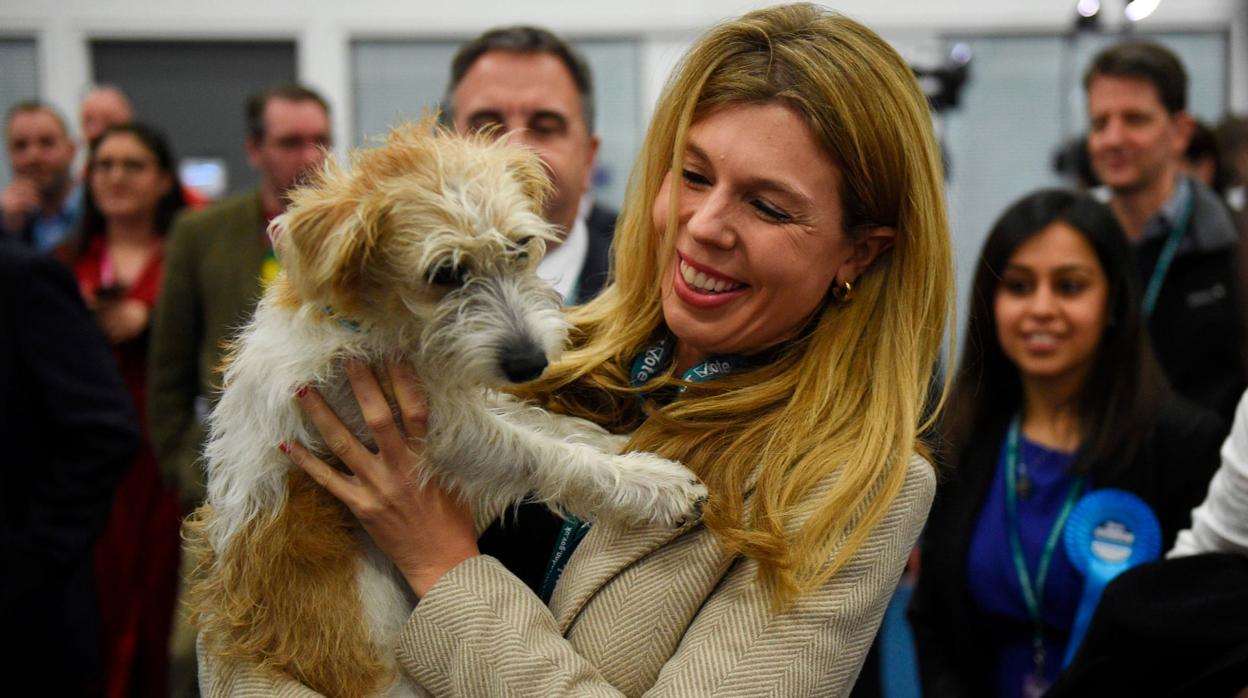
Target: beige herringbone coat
<point>644,612</point>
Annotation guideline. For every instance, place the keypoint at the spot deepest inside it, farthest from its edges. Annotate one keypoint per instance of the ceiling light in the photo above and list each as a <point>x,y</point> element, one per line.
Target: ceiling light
<point>1137,10</point>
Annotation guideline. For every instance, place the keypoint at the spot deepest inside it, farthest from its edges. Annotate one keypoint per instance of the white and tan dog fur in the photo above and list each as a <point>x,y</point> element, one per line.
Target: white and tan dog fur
<point>422,250</point>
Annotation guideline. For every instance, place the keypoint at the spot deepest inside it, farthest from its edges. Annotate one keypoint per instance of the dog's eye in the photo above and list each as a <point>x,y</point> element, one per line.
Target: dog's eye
<point>448,275</point>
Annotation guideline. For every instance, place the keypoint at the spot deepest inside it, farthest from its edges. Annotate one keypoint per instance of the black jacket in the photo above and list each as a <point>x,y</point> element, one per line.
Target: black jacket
<point>1167,628</point>
<point>1196,326</point>
<point>69,433</point>
<point>1171,473</point>
<point>601,225</point>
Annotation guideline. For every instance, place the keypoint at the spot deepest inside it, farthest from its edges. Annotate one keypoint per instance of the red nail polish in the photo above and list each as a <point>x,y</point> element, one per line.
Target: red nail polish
<point>284,447</point>
<point>303,390</point>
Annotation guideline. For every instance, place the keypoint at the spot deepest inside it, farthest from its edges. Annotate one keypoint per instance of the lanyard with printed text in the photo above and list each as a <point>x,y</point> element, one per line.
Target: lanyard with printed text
<point>1033,591</point>
<point>656,357</point>
<point>569,537</point>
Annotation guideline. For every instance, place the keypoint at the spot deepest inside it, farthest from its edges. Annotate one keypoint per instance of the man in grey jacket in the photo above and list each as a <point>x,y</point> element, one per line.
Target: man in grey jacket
<point>1184,238</point>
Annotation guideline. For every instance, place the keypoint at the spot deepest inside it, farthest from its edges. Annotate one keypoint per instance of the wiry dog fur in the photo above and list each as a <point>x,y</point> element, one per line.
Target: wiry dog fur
<point>422,250</point>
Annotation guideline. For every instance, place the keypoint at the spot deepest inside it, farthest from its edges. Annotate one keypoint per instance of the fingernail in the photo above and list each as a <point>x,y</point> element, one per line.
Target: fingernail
<point>284,448</point>
<point>301,391</point>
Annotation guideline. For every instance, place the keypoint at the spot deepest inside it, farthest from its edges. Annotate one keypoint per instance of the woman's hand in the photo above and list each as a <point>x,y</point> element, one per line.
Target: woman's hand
<point>122,319</point>
<point>424,530</point>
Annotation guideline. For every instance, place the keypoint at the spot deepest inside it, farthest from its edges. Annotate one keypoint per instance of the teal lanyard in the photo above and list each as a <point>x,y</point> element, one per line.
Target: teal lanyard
<point>1171,248</point>
<point>648,363</point>
<point>1033,593</point>
<point>569,537</point>
<point>657,356</point>
<point>569,298</point>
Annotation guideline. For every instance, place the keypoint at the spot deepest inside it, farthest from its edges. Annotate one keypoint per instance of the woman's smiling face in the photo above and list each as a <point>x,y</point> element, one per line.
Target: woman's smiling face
<point>1051,306</point>
<point>759,237</point>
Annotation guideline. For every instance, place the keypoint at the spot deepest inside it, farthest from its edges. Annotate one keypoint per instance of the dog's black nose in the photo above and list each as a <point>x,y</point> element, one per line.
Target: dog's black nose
<point>523,364</point>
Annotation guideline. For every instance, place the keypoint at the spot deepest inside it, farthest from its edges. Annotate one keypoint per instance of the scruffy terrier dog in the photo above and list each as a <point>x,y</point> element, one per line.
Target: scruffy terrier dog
<point>421,250</point>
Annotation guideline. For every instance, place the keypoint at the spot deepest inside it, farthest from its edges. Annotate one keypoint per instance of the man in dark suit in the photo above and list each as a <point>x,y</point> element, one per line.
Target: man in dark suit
<point>70,433</point>
<point>529,83</point>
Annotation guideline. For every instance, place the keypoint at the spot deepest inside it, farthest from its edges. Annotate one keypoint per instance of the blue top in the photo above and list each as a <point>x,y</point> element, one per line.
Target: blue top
<point>47,231</point>
<point>993,582</point>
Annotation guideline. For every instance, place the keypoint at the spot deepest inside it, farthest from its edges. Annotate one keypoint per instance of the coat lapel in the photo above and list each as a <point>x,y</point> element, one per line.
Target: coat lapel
<point>604,553</point>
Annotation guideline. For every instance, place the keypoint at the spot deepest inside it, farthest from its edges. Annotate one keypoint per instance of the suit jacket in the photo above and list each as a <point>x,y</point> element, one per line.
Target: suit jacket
<point>601,225</point>
<point>664,612</point>
<point>69,433</point>
<point>1171,474</point>
<point>212,284</point>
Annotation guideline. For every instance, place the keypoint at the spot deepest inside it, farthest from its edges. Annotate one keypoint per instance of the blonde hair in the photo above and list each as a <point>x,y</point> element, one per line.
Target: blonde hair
<point>847,394</point>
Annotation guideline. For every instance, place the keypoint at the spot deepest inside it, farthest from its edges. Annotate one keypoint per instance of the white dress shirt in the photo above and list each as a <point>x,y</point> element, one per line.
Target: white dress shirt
<point>561,267</point>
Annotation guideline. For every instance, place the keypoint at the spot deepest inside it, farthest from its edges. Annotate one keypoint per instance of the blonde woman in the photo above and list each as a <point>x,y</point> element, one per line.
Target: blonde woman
<point>785,221</point>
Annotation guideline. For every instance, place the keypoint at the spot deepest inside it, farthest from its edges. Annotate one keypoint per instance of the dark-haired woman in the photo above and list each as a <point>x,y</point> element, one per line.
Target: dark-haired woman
<point>1058,394</point>
<point>132,195</point>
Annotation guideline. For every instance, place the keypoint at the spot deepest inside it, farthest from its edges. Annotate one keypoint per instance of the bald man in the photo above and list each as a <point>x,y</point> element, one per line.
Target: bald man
<point>103,106</point>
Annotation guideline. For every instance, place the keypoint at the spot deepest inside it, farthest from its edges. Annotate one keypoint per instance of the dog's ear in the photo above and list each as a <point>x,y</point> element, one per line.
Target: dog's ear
<point>358,238</point>
<point>314,233</point>
<point>531,173</point>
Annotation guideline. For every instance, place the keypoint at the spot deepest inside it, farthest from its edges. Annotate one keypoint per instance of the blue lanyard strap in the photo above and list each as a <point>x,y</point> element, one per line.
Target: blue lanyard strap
<point>657,356</point>
<point>569,537</point>
<point>1033,590</point>
<point>1166,258</point>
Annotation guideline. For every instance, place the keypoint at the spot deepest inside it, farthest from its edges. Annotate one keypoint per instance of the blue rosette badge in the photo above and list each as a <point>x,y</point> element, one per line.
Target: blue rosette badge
<point>1109,532</point>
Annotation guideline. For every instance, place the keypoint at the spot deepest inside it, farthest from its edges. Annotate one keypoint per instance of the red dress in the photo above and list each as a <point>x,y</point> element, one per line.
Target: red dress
<point>136,558</point>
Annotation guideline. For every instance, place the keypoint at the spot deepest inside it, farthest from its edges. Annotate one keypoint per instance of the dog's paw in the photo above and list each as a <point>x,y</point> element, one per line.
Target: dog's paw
<point>655,490</point>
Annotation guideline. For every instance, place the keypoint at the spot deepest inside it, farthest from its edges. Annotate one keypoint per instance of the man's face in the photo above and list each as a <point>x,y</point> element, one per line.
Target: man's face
<point>40,150</point>
<point>295,136</point>
<point>533,97</point>
<point>1133,140</point>
<point>102,109</point>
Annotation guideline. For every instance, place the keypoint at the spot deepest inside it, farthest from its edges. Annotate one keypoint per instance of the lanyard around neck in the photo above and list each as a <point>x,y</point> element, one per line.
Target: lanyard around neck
<point>657,356</point>
<point>648,364</point>
<point>1171,248</point>
<point>1033,590</point>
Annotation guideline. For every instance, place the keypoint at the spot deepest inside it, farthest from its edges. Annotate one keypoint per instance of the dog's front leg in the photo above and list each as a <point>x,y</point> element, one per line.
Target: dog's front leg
<point>499,461</point>
<point>532,418</point>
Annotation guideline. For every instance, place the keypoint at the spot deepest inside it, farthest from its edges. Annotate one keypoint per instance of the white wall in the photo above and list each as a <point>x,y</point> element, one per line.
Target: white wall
<point>324,28</point>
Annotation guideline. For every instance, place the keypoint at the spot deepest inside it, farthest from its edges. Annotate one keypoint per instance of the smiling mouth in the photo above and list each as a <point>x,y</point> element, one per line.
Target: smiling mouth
<point>1040,340</point>
<point>705,283</point>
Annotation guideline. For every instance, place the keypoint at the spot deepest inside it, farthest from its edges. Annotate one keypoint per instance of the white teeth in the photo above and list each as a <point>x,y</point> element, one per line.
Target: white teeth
<point>701,282</point>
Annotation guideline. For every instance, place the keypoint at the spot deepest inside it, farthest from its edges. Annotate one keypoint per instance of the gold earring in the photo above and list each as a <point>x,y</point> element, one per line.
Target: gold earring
<point>843,293</point>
